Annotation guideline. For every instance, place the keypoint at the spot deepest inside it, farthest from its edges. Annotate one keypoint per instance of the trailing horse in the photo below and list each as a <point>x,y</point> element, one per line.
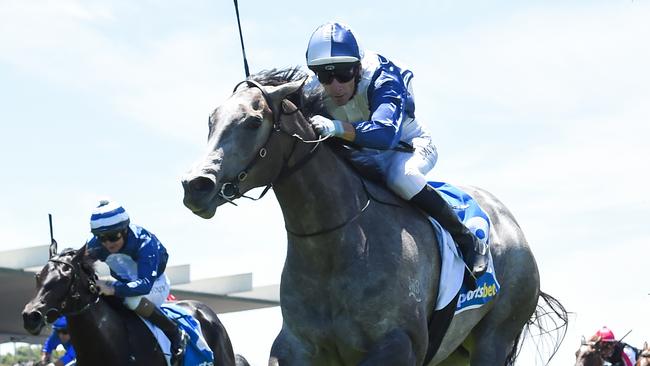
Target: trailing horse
<point>588,354</point>
<point>644,356</point>
<point>362,271</point>
<point>102,330</point>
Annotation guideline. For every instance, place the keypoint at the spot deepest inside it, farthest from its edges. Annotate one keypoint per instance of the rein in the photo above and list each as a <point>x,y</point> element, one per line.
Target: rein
<point>339,226</point>
<point>230,190</point>
<point>73,292</point>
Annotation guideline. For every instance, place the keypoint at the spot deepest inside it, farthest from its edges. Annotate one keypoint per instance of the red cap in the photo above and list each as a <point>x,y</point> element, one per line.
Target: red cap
<point>605,334</point>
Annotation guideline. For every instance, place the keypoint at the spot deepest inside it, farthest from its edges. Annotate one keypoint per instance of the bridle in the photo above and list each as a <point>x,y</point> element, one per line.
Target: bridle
<point>230,190</point>
<point>599,346</point>
<point>591,354</point>
<point>73,292</point>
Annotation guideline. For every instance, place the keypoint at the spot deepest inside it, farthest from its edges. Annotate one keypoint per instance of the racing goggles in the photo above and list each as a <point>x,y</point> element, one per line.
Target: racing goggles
<point>341,72</point>
<point>110,237</point>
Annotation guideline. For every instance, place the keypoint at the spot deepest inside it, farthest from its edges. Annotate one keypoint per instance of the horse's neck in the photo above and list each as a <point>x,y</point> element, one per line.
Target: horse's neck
<point>324,193</point>
<point>93,333</point>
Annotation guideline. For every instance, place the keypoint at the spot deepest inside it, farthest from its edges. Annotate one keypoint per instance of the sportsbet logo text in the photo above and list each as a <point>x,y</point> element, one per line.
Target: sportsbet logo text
<point>480,292</point>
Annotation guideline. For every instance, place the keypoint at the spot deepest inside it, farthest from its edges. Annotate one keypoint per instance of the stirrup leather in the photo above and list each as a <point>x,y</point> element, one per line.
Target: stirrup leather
<point>481,248</point>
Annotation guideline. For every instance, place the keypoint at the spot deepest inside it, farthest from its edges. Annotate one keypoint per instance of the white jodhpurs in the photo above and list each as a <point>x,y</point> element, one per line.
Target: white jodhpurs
<point>157,295</point>
<point>406,172</point>
<point>403,172</point>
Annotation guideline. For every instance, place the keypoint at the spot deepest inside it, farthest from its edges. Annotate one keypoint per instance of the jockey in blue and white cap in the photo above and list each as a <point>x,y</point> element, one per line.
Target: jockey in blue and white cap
<point>108,217</point>
<point>370,99</point>
<point>137,260</point>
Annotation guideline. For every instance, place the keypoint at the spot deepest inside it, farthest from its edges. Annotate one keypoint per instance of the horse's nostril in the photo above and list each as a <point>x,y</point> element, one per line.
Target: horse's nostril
<point>201,184</point>
<point>32,318</point>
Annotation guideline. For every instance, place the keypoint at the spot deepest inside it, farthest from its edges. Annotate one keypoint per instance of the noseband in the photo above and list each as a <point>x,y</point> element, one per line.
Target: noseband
<point>230,190</point>
<point>73,292</point>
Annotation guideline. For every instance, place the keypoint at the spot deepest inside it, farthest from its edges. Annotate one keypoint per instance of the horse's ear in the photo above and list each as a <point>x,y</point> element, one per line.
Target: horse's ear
<point>281,92</point>
<point>53,247</point>
<point>645,345</point>
<point>79,255</point>
<point>583,340</point>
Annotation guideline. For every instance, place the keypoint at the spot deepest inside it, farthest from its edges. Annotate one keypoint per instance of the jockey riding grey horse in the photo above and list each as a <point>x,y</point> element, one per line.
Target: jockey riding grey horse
<point>371,100</point>
<point>362,271</point>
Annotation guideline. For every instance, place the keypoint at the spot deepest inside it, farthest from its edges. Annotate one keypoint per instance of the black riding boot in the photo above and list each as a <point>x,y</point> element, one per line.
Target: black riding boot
<point>474,252</point>
<point>176,335</point>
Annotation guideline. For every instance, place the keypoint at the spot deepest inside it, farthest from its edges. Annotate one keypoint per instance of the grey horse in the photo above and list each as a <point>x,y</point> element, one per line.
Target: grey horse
<point>362,269</point>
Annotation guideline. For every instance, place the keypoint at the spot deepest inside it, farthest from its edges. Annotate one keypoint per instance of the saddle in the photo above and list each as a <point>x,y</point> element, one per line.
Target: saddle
<point>197,351</point>
<point>144,337</point>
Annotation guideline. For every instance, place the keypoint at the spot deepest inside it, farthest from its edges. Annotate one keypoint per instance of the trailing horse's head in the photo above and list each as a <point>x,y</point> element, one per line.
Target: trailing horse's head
<point>644,356</point>
<point>249,141</point>
<point>589,353</point>
<point>64,285</point>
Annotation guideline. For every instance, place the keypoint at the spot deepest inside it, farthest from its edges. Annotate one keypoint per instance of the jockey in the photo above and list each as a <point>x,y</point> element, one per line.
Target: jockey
<point>60,336</point>
<point>371,101</point>
<point>615,352</point>
<point>137,261</point>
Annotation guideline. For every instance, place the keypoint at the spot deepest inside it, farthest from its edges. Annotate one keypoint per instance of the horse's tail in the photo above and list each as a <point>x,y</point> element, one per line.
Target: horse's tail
<point>241,361</point>
<point>550,321</point>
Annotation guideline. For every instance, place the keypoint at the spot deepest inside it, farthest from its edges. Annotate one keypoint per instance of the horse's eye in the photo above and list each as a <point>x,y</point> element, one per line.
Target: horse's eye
<point>66,270</point>
<point>253,123</point>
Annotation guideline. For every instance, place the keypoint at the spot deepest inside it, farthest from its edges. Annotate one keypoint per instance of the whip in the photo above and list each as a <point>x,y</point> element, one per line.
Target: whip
<point>241,39</point>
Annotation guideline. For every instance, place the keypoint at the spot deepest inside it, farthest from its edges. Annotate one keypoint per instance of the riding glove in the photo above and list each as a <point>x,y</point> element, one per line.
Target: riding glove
<point>327,127</point>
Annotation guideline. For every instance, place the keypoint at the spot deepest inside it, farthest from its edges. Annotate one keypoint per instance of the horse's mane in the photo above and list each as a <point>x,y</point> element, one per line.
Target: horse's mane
<point>87,262</point>
<point>310,101</point>
<point>276,77</point>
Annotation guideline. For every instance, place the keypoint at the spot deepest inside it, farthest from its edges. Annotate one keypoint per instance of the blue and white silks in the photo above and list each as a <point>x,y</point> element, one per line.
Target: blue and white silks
<point>453,266</point>
<point>197,351</point>
<point>382,110</point>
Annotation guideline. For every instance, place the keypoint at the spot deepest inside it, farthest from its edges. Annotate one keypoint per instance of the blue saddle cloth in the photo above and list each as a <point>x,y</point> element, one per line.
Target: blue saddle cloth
<point>197,352</point>
<point>477,221</point>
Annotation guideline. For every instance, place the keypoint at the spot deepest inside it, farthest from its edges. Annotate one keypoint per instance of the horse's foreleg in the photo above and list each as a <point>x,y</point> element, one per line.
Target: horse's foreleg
<point>395,348</point>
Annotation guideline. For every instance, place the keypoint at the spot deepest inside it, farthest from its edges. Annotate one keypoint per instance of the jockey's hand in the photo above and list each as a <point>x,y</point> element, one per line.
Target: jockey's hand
<point>106,288</point>
<point>327,127</point>
<point>44,361</point>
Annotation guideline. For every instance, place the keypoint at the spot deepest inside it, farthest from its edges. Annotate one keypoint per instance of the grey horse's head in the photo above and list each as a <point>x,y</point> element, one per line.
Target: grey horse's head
<point>248,138</point>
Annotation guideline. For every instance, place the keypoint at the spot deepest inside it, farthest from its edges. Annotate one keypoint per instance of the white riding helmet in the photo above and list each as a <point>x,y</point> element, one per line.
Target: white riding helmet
<point>332,43</point>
